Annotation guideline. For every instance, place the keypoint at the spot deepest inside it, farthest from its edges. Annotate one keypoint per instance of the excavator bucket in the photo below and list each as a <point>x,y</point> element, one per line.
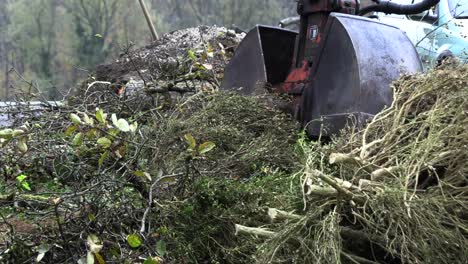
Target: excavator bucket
<point>352,82</point>
<point>349,82</point>
<point>264,56</point>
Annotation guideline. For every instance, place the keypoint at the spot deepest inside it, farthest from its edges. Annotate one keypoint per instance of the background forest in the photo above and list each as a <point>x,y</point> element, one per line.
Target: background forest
<point>55,43</point>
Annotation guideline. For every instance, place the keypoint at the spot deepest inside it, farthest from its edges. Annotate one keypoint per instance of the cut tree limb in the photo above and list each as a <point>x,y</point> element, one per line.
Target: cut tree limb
<point>25,197</point>
<point>382,173</point>
<point>339,187</point>
<point>321,191</point>
<point>341,158</point>
<point>279,215</point>
<point>262,232</point>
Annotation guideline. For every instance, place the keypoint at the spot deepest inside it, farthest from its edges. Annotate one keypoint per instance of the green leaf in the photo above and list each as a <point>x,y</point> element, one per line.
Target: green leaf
<point>87,119</point>
<point>134,127</point>
<point>99,258</point>
<point>190,141</point>
<point>161,248</point>
<point>21,177</point>
<point>168,180</point>
<point>70,130</point>
<point>142,174</point>
<point>191,55</point>
<point>22,146</point>
<point>113,132</point>
<point>206,147</point>
<point>114,119</point>
<point>122,125</point>
<point>134,240</point>
<point>6,133</point>
<point>103,158</point>
<point>17,132</point>
<point>98,35</point>
<point>104,143</point>
<point>139,173</point>
<point>78,140</point>
<point>92,217</point>
<point>75,119</point>
<point>22,182</point>
<point>92,133</point>
<point>25,185</point>
<point>101,116</point>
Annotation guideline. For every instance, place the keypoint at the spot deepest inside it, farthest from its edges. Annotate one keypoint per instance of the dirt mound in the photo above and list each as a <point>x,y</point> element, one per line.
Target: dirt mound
<point>164,55</point>
<point>180,64</point>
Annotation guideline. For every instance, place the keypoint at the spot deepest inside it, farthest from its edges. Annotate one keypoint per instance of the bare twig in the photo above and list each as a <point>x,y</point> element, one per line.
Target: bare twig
<point>150,199</point>
<point>61,232</point>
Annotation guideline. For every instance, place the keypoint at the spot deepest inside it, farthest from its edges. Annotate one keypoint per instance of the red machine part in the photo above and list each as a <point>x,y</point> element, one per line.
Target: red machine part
<point>314,15</point>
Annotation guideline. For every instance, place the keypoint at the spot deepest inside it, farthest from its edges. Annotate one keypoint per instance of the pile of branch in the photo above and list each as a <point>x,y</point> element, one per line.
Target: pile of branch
<point>84,172</point>
<point>395,192</point>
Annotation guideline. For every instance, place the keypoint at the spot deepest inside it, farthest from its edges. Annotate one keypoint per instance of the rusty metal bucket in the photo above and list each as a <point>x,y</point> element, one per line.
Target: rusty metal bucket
<point>360,60</point>
<point>263,56</point>
<point>350,81</point>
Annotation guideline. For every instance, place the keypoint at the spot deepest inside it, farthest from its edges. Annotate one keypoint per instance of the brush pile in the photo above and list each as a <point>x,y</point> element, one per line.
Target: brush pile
<point>111,176</point>
<point>151,164</point>
<point>395,192</point>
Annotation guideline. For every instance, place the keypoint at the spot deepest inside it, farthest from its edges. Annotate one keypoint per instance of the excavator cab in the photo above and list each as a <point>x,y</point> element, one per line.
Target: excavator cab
<point>337,69</point>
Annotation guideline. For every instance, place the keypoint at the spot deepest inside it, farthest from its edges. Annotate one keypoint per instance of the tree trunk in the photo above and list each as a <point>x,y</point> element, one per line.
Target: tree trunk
<point>7,72</point>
